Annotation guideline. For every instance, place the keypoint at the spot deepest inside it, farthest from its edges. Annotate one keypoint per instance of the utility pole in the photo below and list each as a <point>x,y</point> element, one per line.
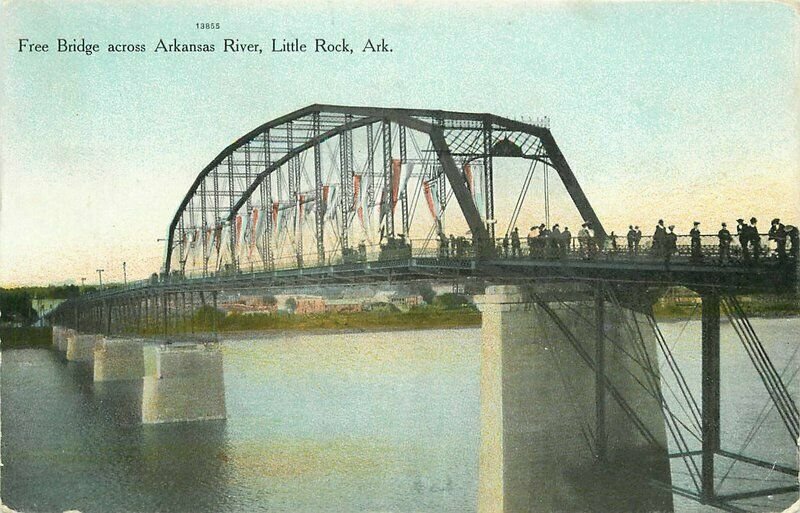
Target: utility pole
<point>100,274</point>
<point>125,273</point>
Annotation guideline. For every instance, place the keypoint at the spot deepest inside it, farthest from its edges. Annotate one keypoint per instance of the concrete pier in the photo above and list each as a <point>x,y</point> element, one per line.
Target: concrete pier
<point>60,336</point>
<point>550,439</point>
<point>188,385</point>
<point>80,348</point>
<point>118,359</point>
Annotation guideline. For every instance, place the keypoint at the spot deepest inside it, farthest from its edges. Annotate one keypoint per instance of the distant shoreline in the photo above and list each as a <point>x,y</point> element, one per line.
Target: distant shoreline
<point>242,326</point>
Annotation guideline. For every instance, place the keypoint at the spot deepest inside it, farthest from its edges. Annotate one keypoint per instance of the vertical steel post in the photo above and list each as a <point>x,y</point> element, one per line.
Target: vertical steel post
<point>345,194</point>
<point>386,207</point>
<point>600,374</point>
<point>231,201</point>
<point>204,228</point>
<point>266,205</point>
<point>488,178</point>
<point>320,213</point>
<point>710,389</point>
<point>403,195</point>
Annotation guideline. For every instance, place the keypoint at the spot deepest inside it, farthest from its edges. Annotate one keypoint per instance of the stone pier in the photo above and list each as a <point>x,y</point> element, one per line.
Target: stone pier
<point>551,440</point>
<point>118,359</point>
<point>188,385</point>
<point>80,348</point>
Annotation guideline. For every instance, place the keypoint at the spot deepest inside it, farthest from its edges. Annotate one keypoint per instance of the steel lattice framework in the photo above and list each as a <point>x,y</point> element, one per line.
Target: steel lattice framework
<point>325,175</point>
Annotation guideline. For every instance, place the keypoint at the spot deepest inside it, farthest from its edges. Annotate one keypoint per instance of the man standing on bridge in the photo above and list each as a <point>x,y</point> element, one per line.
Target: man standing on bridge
<point>515,245</point>
<point>777,232</point>
<point>566,241</point>
<point>670,244</point>
<point>631,239</point>
<point>555,241</point>
<point>724,244</point>
<point>659,239</point>
<point>532,240</point>
<point>742,233</point>
<point>755,239</point>
<point>694,233</point>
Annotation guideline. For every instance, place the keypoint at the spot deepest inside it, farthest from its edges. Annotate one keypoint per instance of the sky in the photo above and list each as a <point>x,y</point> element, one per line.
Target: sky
<point>682,111</point>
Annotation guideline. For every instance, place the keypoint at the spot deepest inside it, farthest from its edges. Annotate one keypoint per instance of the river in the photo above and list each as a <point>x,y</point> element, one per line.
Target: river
<point>382,421</point>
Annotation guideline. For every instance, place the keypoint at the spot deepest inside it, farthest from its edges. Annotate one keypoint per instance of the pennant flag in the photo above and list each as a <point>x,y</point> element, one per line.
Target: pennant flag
<point>332,207</point>
<point>406,177</point>
<point>426,188</point>
<point>217,236</point>
<point>363,209</point>
<point>396,170</point>
<point>356,189</point>
<point>244,231</point>
<point>255,225</point>
<point>468,176</point>
<point>479,194</point>
<point>324,205</point>
<point>237,232</point>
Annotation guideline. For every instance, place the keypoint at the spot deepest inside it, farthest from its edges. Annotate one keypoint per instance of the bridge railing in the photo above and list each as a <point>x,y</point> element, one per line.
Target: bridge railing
<point>708,252</point>
<point>708,249</point>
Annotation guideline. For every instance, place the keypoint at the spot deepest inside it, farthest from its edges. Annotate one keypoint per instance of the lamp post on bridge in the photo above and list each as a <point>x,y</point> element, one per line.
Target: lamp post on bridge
<point>100,274</point>
<point>125,273</point>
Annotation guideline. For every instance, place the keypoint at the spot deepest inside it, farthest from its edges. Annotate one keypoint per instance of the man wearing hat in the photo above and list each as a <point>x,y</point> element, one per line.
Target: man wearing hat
<point>741,233</point>
<point>532,240</point>
<point>555,241</point>
<point>659,237</point>
<point>755,240</point>
<point>777,232</point>
<point>583,240</point>
<point>631,239</point>
<point>670,244</point>
<point>724,244</point>
<point>694,233</point>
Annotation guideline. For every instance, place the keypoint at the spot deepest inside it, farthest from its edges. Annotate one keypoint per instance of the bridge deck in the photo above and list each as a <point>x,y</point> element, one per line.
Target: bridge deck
<point>766,275</point>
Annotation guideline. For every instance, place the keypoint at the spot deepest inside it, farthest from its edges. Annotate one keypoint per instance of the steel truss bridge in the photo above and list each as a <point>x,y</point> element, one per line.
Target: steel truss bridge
<point>336,195</point>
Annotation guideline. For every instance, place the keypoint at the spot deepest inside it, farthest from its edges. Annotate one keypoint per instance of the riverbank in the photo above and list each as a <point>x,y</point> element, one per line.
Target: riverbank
<point>26,336</point>
<point>753,306</point>
<point>418,318</point>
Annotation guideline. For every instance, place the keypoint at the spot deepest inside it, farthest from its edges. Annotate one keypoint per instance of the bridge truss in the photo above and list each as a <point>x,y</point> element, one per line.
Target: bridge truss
<point>308,188</point>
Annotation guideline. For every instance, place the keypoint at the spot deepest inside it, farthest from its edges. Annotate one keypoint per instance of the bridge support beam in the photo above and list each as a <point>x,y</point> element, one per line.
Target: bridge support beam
<point>710,389</point>
<point>188,385</point>
<point>540,405</point>
<point>116,360</point>
<point>80,348</point>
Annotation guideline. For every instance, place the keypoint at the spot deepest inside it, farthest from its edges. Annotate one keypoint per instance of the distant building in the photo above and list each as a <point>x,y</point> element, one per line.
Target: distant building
<point>248,305</point>
<point>309,305</point>
<point>407,302</point>
<point>343,306</point>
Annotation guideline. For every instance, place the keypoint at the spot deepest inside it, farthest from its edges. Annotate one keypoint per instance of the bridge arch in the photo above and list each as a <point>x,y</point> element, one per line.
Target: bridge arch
<point>238,208</point>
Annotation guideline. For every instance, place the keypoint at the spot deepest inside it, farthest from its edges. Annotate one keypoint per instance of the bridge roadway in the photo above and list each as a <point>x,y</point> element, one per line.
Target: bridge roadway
<point>767,275</point>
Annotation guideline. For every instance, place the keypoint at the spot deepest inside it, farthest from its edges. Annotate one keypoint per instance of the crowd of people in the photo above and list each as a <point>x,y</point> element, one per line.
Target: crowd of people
<point>555,242</point>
